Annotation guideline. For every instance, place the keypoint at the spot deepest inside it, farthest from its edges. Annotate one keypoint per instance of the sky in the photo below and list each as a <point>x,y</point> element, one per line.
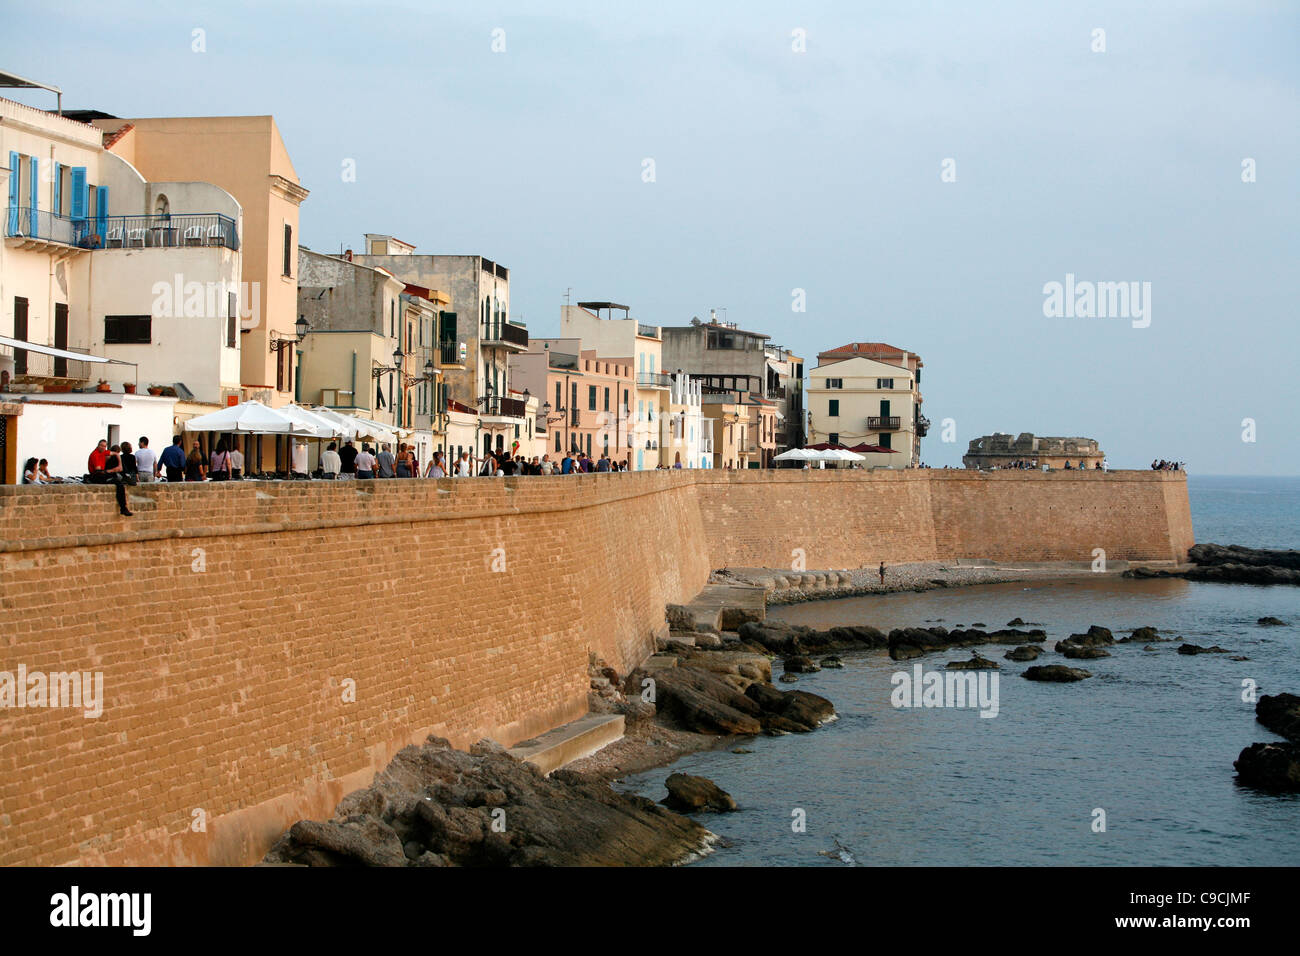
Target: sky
<point>920,172</point>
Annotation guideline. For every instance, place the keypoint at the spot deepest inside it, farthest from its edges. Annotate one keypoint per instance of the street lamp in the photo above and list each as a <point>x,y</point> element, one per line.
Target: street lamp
<point>279,341</point>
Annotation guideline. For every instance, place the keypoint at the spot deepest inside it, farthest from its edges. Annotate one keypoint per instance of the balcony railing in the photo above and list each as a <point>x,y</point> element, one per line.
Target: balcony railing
<point>922,426</point>
<point>35,366</point>
<point>449,353</point>
<point>653,379</point>
<point>776,392</point>
<point>497,331</point>
<point>122,232</point>
<point>502,407</point>
<point>650,331</point>
<point>877,423</point>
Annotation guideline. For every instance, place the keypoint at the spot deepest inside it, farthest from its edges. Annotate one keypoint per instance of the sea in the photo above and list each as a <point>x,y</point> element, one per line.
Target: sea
<point>1130,767</point>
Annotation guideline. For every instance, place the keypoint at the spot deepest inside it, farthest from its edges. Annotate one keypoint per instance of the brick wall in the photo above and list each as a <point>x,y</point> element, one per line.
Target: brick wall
<point>227,619</point>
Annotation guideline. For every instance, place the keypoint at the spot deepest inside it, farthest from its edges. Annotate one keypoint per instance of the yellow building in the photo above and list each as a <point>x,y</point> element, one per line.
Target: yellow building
<point>856,398</point>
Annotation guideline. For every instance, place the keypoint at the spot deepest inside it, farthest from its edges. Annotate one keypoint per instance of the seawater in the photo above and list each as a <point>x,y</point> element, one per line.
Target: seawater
<point>1149,740</point>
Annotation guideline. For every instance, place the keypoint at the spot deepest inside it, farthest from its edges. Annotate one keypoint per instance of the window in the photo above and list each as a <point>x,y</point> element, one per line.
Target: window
<point>885,440</point>
<point>232,311</point>
<point>559,399</point>
<point>591,397</point>
<point>834,410</point>
<point>288,250</point>
<point>834,438</point>
<point>606,399</point>
<point>557,441</point>
<point>127,329</point>
<point>884,383</point>
<point>835,383</point>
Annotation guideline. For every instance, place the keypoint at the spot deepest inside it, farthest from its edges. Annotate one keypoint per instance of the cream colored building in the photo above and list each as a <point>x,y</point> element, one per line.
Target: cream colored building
<point>245,156</point>
<point>96,258</point>
<point>729,420</point>
<point>860,400</point>
<point>640,345</point>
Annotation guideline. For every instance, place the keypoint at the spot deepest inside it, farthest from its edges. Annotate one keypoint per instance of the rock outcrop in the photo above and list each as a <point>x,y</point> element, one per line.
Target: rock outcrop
<point>1270,766</point>
<point>435,806</point>
<point>1280,713</point>
<point>690,794</point>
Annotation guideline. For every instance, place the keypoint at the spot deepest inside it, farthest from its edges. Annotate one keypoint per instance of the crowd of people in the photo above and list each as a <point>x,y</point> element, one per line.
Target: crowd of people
<point>1161,465</point>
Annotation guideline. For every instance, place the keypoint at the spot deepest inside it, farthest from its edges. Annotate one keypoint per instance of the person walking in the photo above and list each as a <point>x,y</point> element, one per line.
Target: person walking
<point>330,463</point>
<point>436,467</point>
<point>173,459</point>
<point>463,467</point>
<point>194,469</point>
<point>365,463</point>
<point>146,460</point>
<point>882,572</point>
<point>386,461</point>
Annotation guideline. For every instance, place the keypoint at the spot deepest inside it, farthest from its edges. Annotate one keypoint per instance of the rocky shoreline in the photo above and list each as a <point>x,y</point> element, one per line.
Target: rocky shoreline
<point>1231,564</point>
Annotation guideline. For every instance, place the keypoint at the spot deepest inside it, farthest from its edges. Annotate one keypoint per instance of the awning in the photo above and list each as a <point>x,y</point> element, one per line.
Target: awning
<point>58,353</point>
<point>251,418</point>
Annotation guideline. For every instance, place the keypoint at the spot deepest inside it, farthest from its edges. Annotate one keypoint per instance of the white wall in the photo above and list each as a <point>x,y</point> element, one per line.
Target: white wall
<point>67,432</point>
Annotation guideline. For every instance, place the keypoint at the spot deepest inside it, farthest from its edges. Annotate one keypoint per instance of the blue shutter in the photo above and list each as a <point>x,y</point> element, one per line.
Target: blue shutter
<point>13,194</point>
<point>80,193</point>
<point>101,213</point>
<point>35,190</point>
<point>56,207</point>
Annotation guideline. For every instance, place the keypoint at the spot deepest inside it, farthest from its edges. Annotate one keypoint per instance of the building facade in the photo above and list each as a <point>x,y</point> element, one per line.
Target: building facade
<point>96,259</point>
<point>868,393</point>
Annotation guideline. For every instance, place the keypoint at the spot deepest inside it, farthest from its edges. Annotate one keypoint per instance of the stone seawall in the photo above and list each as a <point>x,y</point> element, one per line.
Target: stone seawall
<point>266,647</point>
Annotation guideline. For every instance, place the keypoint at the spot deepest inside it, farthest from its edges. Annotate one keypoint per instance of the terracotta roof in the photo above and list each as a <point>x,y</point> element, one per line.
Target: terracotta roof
<point>111,138</point>
<point>865,347</point>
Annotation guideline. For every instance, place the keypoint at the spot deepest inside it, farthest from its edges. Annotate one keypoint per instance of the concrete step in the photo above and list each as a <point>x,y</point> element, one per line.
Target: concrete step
<point>572,741</point>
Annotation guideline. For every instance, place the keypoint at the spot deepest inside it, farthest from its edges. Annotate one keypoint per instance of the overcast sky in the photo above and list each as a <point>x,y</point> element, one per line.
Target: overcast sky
<point>777,170</point>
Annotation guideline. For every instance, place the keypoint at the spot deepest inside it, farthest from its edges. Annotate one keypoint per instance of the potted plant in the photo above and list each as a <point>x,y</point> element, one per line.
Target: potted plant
<point>128,388</point>
<point>103,386</point>
<point>155,389</point>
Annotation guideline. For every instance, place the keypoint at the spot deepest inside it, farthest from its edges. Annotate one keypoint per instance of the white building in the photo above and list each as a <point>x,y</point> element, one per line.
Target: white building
<point>96,259</point>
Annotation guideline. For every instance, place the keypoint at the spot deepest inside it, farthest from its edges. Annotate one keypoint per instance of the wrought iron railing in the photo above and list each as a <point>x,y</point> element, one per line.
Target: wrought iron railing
<point>449,353</point>
<point>885,423</point>
<point>498,331</point>
<point>505,407</point>
<point>122,232</point>
<point>644,379</point>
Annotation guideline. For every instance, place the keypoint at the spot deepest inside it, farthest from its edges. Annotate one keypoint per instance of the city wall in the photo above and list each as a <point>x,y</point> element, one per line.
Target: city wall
<point>266,647</point>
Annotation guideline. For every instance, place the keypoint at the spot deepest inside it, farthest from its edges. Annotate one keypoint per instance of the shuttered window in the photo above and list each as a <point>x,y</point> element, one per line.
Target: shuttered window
<point>127,329</point>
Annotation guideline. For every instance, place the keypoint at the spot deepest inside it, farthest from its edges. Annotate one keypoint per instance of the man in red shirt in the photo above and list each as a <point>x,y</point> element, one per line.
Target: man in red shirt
<point>99,457</point>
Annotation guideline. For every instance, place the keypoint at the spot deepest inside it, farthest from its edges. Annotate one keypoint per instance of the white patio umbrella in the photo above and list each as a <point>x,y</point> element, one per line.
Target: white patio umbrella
<point>796,454</point>
<point>249,418</point>
<point>374,431</point>
<point>320,427</point>
<point>347,426</point>
<point>843,454</point>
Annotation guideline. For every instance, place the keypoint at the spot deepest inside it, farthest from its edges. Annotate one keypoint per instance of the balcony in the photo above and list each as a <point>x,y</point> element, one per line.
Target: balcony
<point>876,423</point>
<point>35,368</point>
<point>498,406</point>
<point>449,354</point>
<point>39,227</point>
<point>775,392</point>
<point>653,380</point>
<point>498,334</point>
<point>649,331</point>
<point>922,426</point>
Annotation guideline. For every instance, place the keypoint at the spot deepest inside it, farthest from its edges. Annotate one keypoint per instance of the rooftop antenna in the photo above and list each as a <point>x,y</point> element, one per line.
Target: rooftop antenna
<point>567,292</point>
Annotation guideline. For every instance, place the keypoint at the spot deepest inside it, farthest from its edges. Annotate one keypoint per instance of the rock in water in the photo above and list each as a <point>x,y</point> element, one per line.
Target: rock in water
<point>434,806</point>
<point>1280,713</point>
<point>832,662</point>
<point>1015,622</point>
<point>1197,649</point>
<point>1056,673</point>
<point>976,663</point>
<point>688,794</point>
<point>1025,652</point>
<point>1271,622</point>
<point>1142,635</point>
<point>1080,651</point>
<point>798,664</point>
<point>1270,766</point>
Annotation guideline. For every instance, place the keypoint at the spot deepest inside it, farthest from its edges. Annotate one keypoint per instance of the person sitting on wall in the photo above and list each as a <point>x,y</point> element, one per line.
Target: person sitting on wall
<point>32,473</point>
<point>46,478</point>
<point>113,475</point>
<point>95,464</point>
